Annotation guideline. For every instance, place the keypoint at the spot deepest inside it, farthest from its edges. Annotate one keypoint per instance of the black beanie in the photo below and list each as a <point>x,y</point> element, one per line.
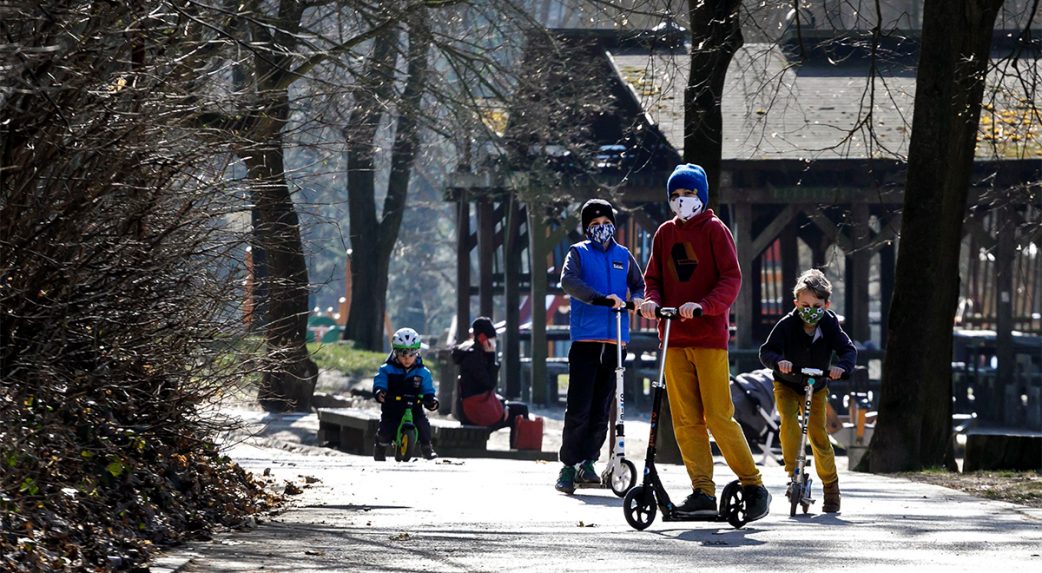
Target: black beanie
<point>596,208</point>
<point>483,325</point>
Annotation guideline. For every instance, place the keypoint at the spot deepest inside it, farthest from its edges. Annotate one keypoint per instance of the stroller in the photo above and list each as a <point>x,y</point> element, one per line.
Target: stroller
<point>753,397</point>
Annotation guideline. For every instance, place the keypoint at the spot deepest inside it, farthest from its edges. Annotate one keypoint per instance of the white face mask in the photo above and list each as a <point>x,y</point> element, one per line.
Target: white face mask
<point>686,207</point>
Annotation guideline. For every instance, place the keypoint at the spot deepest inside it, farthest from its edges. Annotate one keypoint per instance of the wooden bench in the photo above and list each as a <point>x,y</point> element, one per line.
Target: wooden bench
<point>353,430</point>
<point>1002,449</point>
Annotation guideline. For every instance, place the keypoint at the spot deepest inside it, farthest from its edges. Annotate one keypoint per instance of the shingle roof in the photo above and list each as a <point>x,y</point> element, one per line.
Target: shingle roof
<point>774,110</point>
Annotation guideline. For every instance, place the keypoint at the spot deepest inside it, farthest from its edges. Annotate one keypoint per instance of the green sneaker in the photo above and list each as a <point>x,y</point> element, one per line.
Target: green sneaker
<point>566,480</point>
<point>587,474</point>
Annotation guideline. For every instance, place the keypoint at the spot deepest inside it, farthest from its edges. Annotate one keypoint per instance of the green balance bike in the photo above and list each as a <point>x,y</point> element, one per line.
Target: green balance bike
<point>407,435</point>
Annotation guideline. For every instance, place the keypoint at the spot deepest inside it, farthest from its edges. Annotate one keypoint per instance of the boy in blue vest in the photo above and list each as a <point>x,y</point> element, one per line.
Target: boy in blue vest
<point>595,269</point>
<point>403,374</point>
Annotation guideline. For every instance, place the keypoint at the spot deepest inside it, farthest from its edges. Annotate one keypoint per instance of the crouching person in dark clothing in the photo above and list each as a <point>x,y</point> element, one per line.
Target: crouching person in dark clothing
<point>477,403</point>
<point>403,374</point>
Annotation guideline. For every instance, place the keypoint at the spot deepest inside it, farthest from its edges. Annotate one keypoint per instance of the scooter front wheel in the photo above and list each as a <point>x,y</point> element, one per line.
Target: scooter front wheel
<point>732,504</point>
<point>639,506</point>
<point>624,480</point>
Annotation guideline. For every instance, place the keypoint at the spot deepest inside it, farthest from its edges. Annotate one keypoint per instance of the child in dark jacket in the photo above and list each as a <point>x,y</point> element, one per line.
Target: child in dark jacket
<point>808,337</point>
<point>477,403</point>
<point>403,374</point>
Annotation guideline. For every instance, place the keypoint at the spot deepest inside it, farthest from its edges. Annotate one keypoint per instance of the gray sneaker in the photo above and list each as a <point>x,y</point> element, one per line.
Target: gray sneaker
<point>698,502</point>
<point>757,502</point>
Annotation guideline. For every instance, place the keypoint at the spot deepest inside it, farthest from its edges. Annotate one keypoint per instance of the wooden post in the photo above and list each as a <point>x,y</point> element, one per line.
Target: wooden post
<point>537,251</point>
<point>447,385</point>
<point>1004,311</point>
<point>858,263</point>
<point>511,345</point>
<point>462,267</point>
<point>790,260</point>
<point>743,236</point>
<point>486,252</point>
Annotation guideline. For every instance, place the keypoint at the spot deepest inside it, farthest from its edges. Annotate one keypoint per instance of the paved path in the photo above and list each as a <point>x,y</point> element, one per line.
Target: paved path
<point>503,515</point>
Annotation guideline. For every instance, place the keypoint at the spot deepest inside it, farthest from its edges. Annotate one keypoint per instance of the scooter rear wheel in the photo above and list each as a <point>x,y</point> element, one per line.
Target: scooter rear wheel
<point>795,497</point>
<point>622,481</point>
<point>639,506</point>
<point>732,504</point>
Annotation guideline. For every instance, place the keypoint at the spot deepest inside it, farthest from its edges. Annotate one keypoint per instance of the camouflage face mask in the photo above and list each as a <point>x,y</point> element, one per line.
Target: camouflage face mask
<point>811,314</point>
<point>601,233</point>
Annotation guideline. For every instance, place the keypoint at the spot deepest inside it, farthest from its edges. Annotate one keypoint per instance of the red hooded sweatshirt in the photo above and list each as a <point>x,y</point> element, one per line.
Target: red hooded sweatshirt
<point>694,261</point>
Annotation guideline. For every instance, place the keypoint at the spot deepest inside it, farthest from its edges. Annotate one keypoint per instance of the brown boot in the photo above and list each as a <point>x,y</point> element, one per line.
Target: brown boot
<point>831,504</point>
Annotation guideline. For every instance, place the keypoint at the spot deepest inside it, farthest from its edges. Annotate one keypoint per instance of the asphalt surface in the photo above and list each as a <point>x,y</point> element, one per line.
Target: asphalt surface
<point>504,515</point>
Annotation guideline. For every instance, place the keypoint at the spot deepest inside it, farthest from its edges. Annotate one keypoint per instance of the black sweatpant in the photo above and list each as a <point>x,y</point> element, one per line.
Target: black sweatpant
<point>391,415</point>
<point>591,388</point>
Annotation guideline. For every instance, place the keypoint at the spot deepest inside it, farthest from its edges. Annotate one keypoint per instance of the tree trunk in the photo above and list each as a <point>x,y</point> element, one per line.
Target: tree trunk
<point>715,37</point>
<point>289,378</point>
<point>372,239</point>
<point>914,425</point>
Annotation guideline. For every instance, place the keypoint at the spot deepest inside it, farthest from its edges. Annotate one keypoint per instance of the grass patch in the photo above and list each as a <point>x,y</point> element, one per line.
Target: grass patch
<point>1021,487</point>
<point>345,358</point>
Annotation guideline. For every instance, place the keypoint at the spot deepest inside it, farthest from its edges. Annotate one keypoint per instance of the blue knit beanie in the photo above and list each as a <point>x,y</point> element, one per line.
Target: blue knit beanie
<point>692,177</point>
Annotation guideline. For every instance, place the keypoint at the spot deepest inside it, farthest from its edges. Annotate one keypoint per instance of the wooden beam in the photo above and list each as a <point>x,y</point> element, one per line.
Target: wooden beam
<point>773,229</point>
<point>827,226</point>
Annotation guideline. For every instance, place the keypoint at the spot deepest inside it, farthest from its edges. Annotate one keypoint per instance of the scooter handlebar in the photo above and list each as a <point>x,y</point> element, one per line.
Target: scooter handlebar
<point>605,301</point>
<point>672,312</point>
<point>664,312</point>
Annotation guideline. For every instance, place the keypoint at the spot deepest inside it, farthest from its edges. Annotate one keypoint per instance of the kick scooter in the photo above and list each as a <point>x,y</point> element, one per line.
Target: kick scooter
<point>642,501</point>
<point>799,483</point>
<point>620,474</point>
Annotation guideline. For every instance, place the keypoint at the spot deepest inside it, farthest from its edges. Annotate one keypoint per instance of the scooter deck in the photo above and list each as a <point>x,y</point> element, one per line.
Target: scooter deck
<point>679,516</point>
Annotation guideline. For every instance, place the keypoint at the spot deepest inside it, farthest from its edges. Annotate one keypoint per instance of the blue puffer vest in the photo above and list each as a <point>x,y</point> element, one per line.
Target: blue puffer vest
<point>605,270</point>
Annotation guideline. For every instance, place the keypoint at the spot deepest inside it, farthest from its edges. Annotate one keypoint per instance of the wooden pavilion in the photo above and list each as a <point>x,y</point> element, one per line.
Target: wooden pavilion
<point>800,186</point>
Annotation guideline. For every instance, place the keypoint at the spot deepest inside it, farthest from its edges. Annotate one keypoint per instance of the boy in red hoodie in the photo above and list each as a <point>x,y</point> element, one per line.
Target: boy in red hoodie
<point>694,266</point>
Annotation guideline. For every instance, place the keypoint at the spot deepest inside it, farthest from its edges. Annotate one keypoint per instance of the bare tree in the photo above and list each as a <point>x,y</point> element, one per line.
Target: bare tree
<point>914,427</point>
<point>716,35</point>
<point>119,315</point>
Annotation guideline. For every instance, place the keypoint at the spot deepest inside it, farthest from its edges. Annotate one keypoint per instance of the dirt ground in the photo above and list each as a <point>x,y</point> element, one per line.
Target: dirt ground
<point>1024,488</point>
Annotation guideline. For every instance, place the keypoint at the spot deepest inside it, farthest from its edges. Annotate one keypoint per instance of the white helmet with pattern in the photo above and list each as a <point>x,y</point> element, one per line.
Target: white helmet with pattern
<point>406,339</point>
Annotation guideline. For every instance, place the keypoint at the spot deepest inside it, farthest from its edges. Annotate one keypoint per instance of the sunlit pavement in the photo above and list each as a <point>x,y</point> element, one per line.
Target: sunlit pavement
<point>504,515</point>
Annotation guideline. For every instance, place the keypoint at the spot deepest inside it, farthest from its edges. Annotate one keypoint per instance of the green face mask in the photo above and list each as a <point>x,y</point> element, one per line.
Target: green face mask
<point>810,314</point>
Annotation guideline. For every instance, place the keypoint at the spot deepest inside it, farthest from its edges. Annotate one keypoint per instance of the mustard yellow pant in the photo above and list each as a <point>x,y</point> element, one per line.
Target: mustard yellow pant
<point>697,384</point>
<point>790,404</point>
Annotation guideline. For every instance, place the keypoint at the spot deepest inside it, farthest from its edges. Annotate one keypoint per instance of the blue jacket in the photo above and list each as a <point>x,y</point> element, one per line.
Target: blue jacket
<point>394,379</point>
<point>593,271</point>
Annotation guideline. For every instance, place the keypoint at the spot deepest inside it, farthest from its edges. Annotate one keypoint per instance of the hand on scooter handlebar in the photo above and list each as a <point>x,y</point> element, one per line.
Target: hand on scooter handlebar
<point>651,309</point>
